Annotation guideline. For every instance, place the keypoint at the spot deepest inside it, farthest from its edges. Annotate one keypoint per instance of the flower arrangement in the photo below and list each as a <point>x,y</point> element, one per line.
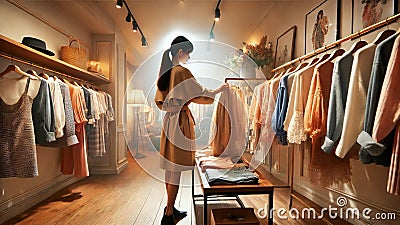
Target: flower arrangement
<point>262,53</point>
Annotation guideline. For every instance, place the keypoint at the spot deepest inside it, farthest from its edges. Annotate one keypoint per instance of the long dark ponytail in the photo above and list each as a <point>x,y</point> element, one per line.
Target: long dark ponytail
<point>164,75</point>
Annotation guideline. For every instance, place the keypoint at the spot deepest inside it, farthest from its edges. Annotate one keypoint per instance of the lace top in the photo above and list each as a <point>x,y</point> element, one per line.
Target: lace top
<point>301,87</point>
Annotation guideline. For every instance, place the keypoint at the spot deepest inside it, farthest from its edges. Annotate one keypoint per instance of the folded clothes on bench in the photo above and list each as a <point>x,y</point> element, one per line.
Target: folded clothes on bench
<point>212,162</point>
<point>237,175</point>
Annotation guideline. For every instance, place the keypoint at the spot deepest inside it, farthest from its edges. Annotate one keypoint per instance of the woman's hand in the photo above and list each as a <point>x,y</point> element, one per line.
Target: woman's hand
<point>222,88</point>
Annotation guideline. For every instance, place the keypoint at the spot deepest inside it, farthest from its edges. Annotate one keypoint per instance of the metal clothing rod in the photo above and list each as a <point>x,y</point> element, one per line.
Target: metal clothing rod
<point>338,42</point>
<point>46,69</point>
<point>239,78</point>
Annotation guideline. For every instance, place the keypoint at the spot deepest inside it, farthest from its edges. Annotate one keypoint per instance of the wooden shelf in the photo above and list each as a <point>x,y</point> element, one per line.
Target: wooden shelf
<point>25,53</point>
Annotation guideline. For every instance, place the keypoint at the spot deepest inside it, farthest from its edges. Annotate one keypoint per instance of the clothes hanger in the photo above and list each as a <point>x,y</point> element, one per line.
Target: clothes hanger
<point>313,61</point>
<point>383,35</point>
<point>336,53</point>
<point>86,86</point>
<point>33,73</point>
<point>14,68</point>
<point>276,75</point>
<point>281,74</point>
<point>300,66</point>
<point>44,75</point>
<point>76,84</point>
<point>323,58</point>
<point>291,69</point>
<point>359,44</point>
<point>66,81</point>
<point>54,76</point>
<point>81,85</point>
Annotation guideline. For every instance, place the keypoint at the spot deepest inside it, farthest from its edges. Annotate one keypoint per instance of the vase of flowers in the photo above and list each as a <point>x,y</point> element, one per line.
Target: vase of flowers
<point>262,53</point>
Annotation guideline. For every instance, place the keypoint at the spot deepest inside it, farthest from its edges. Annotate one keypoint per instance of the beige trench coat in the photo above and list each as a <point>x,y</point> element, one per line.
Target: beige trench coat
<point>177,144</point>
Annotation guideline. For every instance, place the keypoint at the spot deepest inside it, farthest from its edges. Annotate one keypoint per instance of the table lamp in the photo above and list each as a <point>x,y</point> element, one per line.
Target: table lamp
<point>137,100</point>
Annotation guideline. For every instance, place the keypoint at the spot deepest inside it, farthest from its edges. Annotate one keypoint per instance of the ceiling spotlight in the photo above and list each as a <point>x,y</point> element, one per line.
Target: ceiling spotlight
<point>131,19</point>
<point>144,42</point>
<point>119,4</point>
<point>135,26</point>
<point>128,18</point>
<point>217,14</point>
<point>212,37</point>
<point>182,1</point>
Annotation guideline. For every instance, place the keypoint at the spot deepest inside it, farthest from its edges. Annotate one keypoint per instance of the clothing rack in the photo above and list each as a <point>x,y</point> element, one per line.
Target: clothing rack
<point>48,69</point>
<point>338,42</point>
<point>240,78</point>
<point>358,34</point>
<point>261,79</point>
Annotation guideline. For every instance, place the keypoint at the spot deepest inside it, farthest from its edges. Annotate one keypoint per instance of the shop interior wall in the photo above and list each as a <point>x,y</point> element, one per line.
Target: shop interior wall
<point>368,182</point>
<point>20,26</point>
<point>18,194</point>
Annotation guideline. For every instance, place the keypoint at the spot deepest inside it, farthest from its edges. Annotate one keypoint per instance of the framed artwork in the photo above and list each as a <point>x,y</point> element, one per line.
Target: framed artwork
<point>368,12</point>
<point>322,25</point>
<point>285,44</point>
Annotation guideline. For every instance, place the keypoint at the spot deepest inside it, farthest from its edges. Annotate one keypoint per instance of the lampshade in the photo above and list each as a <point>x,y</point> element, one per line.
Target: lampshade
<point>136,97</point>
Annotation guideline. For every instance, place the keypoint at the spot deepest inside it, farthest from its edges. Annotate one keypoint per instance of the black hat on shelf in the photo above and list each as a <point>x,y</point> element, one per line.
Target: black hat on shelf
<point>37,44</point>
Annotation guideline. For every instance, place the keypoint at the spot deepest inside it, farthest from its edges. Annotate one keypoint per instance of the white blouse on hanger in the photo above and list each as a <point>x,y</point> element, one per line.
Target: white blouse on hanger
<point>58,104</point>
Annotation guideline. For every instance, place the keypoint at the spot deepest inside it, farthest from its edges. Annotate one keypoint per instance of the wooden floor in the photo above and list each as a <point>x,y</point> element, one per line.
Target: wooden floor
<point>134,197</point>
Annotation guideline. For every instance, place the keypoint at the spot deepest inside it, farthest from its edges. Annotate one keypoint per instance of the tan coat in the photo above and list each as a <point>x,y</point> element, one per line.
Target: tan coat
<point>177,144</point>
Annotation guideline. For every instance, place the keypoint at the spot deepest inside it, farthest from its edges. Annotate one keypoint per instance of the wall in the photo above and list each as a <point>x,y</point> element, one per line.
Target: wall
<point>54,27</point>
<point>368,182</point>
<point>18,191</point>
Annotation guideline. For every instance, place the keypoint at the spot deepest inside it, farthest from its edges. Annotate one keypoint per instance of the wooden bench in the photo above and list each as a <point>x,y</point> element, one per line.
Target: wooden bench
<point>231,190</point>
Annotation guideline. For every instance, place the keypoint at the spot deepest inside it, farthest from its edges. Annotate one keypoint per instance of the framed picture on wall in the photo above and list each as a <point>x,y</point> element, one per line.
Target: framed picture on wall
<point>322,25</point>
<point>285,47</point>
<point>368,12</point>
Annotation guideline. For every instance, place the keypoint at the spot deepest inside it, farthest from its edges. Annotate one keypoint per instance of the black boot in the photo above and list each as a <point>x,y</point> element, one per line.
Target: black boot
<point>178,215</point>
<point>168,220</point>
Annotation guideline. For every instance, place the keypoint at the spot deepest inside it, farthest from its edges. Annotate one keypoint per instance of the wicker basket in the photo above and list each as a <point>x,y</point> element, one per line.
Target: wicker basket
<point>76,56</point>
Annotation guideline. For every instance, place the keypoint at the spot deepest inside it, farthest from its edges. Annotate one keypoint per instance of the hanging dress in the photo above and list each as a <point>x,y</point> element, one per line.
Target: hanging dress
<point>17,139</point>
